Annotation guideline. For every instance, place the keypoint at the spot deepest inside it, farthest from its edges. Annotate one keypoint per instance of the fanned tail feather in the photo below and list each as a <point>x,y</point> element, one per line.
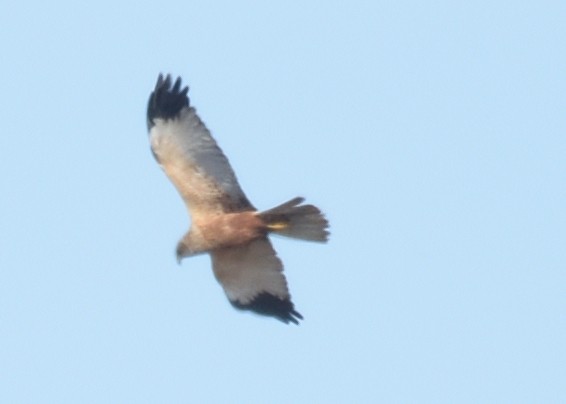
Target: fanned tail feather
<point>291,219</point>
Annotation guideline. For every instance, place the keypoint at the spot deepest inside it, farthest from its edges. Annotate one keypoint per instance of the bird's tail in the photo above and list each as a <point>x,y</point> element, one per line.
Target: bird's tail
<point>291,219</point>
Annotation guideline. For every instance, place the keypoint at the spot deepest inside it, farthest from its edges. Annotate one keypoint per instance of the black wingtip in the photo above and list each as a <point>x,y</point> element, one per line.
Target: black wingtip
<point>269,305</point>
<point>166,101</point>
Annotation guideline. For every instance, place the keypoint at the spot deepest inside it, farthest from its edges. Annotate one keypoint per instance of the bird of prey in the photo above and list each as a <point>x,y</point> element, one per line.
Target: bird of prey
<point>224,223</point>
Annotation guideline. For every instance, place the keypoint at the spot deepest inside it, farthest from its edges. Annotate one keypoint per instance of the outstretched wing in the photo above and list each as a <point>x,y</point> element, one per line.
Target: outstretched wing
<point>252,278</point>
<point>185,149</point>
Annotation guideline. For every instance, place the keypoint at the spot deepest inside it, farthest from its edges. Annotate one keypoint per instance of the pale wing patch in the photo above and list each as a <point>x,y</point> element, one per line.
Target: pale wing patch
<point>196,165</point>
<point>248,270</point>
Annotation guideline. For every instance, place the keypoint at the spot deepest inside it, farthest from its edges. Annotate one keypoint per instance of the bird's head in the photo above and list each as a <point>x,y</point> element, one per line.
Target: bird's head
<point>187,248</point>
<point>182,251</point>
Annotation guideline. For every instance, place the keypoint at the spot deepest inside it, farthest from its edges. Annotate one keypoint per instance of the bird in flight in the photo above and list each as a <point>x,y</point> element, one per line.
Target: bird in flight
<point>224,223</point>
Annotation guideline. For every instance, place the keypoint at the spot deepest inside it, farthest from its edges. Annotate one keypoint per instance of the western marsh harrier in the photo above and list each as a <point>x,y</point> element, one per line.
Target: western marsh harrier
<point>223,221</point>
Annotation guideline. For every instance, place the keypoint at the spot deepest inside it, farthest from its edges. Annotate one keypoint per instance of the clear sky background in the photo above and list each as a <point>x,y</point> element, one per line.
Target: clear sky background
<point>433,134</point>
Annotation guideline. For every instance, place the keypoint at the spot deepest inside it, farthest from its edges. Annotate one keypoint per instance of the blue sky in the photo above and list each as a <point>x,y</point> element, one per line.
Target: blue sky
<point>431,133</point>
